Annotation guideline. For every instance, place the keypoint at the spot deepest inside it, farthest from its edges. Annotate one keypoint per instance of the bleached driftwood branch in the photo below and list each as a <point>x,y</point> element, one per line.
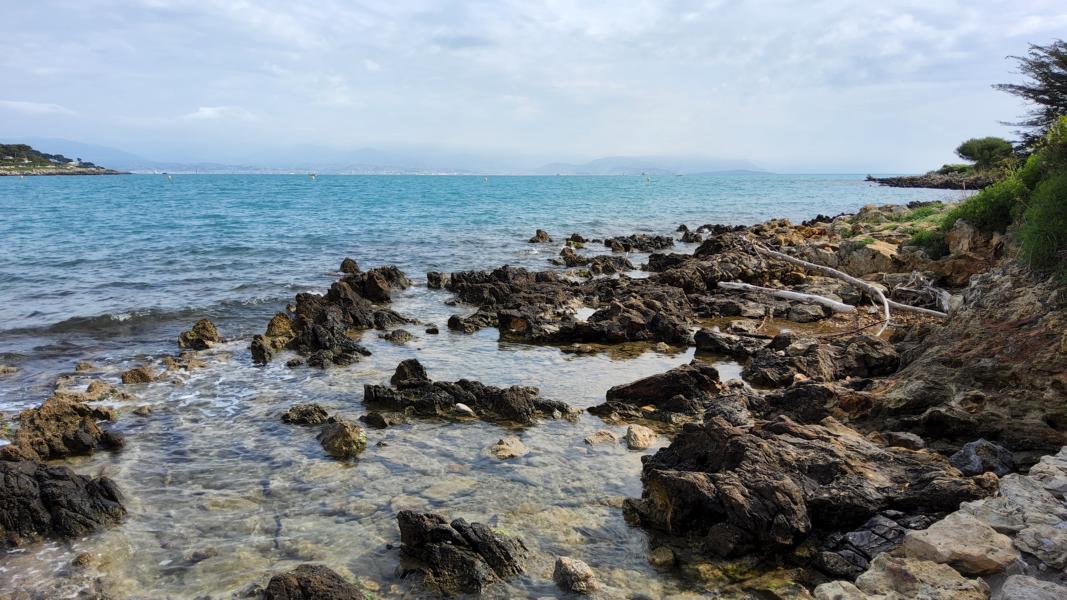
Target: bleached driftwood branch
<point>871,290</point>
<point>834,305</point>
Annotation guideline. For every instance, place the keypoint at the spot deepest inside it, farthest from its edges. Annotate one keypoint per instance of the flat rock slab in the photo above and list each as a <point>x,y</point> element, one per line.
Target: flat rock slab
<point>964,542</point>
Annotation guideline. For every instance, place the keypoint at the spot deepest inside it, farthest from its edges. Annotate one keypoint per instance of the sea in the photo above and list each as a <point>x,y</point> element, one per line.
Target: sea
<point>109,269</point>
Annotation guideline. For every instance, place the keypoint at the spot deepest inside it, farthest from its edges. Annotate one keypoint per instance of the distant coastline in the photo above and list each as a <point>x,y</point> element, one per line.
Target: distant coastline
<point>23,160</point>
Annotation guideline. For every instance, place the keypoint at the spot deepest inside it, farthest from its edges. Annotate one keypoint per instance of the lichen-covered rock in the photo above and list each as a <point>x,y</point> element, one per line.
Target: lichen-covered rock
<point>311,582</point>
<point>458,557</point>
<point>415,394</point>
<point>573,575</point>
<point>202,336</point>
<point>342,439</point>
<point>305,414</point>
<point>37,501</point>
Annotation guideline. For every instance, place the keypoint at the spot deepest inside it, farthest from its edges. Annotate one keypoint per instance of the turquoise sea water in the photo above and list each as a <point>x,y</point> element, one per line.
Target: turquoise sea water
<point>220,493</point>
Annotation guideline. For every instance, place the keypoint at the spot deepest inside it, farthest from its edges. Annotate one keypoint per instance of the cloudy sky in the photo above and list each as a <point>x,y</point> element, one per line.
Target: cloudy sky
<point>828,85</point>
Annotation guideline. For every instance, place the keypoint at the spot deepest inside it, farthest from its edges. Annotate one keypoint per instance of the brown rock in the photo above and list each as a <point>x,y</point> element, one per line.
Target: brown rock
<point>142,374</point>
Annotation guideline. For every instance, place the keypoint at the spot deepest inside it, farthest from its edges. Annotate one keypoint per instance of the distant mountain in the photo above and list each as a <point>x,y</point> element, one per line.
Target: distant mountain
<point>101,155</point>
<point>650,165</point>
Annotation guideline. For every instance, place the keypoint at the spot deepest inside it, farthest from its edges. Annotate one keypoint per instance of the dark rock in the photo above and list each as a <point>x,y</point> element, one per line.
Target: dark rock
<point>142,374</point>
<point>787,356</point>
<point>641,242</point>
<point>736,346</point>
<point>380,420</point>
<point>692,237</point>
<point>60,427</point>
<point>432,330</point>
<point>202,336</point>
<point>772,485</point>
<point>311,582</point>
<point>305,414</point>
<point>847,555</point>
<point>472,323</point>
<point>540,237</point>
<point>417,395</point>
<point>349,266</point>
<point>687,389</point>
<point>458,557</point>
<point>436,280</point>
<point>342,439</point>
<point>577,238</point>
<point>397,336</point>
<point>982,456</point>
<point>904,439</point>
<point>38,501</point>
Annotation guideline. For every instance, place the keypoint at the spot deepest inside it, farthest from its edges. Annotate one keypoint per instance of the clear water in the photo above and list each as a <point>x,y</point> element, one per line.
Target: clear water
<point>110,269</point>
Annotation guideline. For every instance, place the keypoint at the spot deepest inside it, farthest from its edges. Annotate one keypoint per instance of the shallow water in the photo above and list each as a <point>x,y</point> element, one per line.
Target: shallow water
<point>220,492</point>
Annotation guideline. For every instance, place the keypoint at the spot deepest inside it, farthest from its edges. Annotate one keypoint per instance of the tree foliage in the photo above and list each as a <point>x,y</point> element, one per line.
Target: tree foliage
<point>987,152</point>
<point>1046,89</point>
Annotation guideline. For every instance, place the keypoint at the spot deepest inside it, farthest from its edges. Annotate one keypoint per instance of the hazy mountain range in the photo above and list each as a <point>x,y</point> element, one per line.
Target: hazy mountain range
<point>416,160</point>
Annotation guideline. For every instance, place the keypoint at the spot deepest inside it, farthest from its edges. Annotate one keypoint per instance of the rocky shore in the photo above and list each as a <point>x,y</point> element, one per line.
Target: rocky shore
<point>855,458</point>
<point>941,181</point>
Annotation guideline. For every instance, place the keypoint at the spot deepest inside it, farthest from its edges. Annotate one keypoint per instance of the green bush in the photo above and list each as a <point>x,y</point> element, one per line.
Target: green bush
<point>990,209</point>
<point>1044,230</point>
<point>916,214</point>
<point>932,241</point>
<point>954,168</point>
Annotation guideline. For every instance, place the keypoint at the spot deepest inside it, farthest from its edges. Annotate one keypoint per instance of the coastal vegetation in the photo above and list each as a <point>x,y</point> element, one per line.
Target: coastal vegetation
<point>22,159</point>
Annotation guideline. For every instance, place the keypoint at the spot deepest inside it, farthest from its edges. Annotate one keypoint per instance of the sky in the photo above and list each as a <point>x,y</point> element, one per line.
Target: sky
<point>824,86</point>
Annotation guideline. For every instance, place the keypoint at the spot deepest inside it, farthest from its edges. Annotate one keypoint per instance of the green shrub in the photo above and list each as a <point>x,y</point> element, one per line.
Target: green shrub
<point>990,209</point>
<point>1044,230</point>
<point>954,169</point>
<point>932,241</point>
<point>916,214</point>
<point>987,152</point>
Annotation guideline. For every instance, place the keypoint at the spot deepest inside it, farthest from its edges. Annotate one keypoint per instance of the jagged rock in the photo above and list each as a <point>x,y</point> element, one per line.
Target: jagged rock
<point>458,557</point>
<point>342,439</point>
<point>788,356</point>
<point>1051,473</point>
<point>472,323</point>
<point>436,280</point>
<point>1024,587</point>
<point>859,259</point>
<point>417,395</point>
<point>202,336</point>
<point>772,485</point>
<point>641,242</point>
<point>981,456</point>
<point>540,237</point>
<point>686,389</point>
<point>305,414</point>
<point>692,237</point>
<point>397,336</point>
<point>964,543</point>
<point>60,427</point>
<point>37,501</point>
<point>849,554</point>
<point>736,346</point>
<point>349,266</point>
<point>311,582</point>
<point>573,575</point>
<point>639,437</point>
<point>893,578</point>
<point>509,447</point>
<point>142,374</point>
<point>1021,502</point>
<point>1048,543</point>
<point>379,420</point>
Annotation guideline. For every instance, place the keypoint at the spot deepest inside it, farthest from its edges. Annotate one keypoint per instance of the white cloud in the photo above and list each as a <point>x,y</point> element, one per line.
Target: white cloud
<point>220,113</point>
<point>371,66</point>
<point>35,108</point>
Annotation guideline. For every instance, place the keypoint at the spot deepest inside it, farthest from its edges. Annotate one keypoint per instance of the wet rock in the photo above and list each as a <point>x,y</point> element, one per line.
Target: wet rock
<point>202,336</point>
<point>142,374</point>
<point>1024,587</point>
<point>982,456</point>
<point>342,439</point>
<point>142,411</point>
<point>414,393</point>
<point>639,437</point>
<point>397,336</point>
<point>509,447</point>
<point>305,414</point>
<point>686,389</point>
<point>60,427</point>
<point>472,323</point>
<point>540,237</point>
<point>964,543</point>
<point>311,582</point>
<point>641,242</point>
<point>97,390</point>
<point>601,437</point>
<point>436,280</point>
<point>432,330</point>
<point>772,485</point>
<point>82,367</point>
<point>692,237</point>
<point>380,420</point>
<point>891,578</point>
<point>573,575</point>
<point>736,346</point>
<point>38,501</point>
<point>458,557</point>
<point>349,266</point>
<point>662,558</point>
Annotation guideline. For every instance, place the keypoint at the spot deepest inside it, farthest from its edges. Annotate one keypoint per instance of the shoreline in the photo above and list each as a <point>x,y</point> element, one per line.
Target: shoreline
<point>850,386</point>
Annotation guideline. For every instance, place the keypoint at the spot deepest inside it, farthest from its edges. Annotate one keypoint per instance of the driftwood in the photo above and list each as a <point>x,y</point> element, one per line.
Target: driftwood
<point>919,290</point>
<point>866,287</point>
<point>834,305</point>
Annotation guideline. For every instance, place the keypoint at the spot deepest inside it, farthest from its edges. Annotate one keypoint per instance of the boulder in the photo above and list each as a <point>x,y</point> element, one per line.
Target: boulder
<point>601,437</point>
<point>573,575</point>
<point>436,280</point>
<point>1047,543</point>
<point>415,394</point>
<point>397,336</point>
<point>540,237</point>
<point>772,485</point>
<point>859,258</point>
<point>894,578</point>
<point>458,557</point>
<point>142,374</point>
<point>342,439</point>
<point>39,501</point>
<point>727,344</point>
<point>1024,587</point>
<point>59,428</point>
<point>202,336</point>
<point>311,582</point>
<point>849,554</point>
<point>305,414</point>
<point>964,543</point>
<point>349,266</point>
<point>639,437</point>
<point>982,456</point>
<point>509,447</point>
<point>380,420</point>
<point>1021,502</point>
<point>687,389</point>
<point>903,439</point>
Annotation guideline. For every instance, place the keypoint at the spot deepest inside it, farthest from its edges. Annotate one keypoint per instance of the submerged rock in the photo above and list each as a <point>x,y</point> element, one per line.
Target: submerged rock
<point>509,447</point>
<point>305,414</point>
<point>202,336</point>
<point>573,575</point>
<point>38,500</point>
<point>417,395</point>
<point>458,557</point>
<point>342,439</point>
<point>311,582</point>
